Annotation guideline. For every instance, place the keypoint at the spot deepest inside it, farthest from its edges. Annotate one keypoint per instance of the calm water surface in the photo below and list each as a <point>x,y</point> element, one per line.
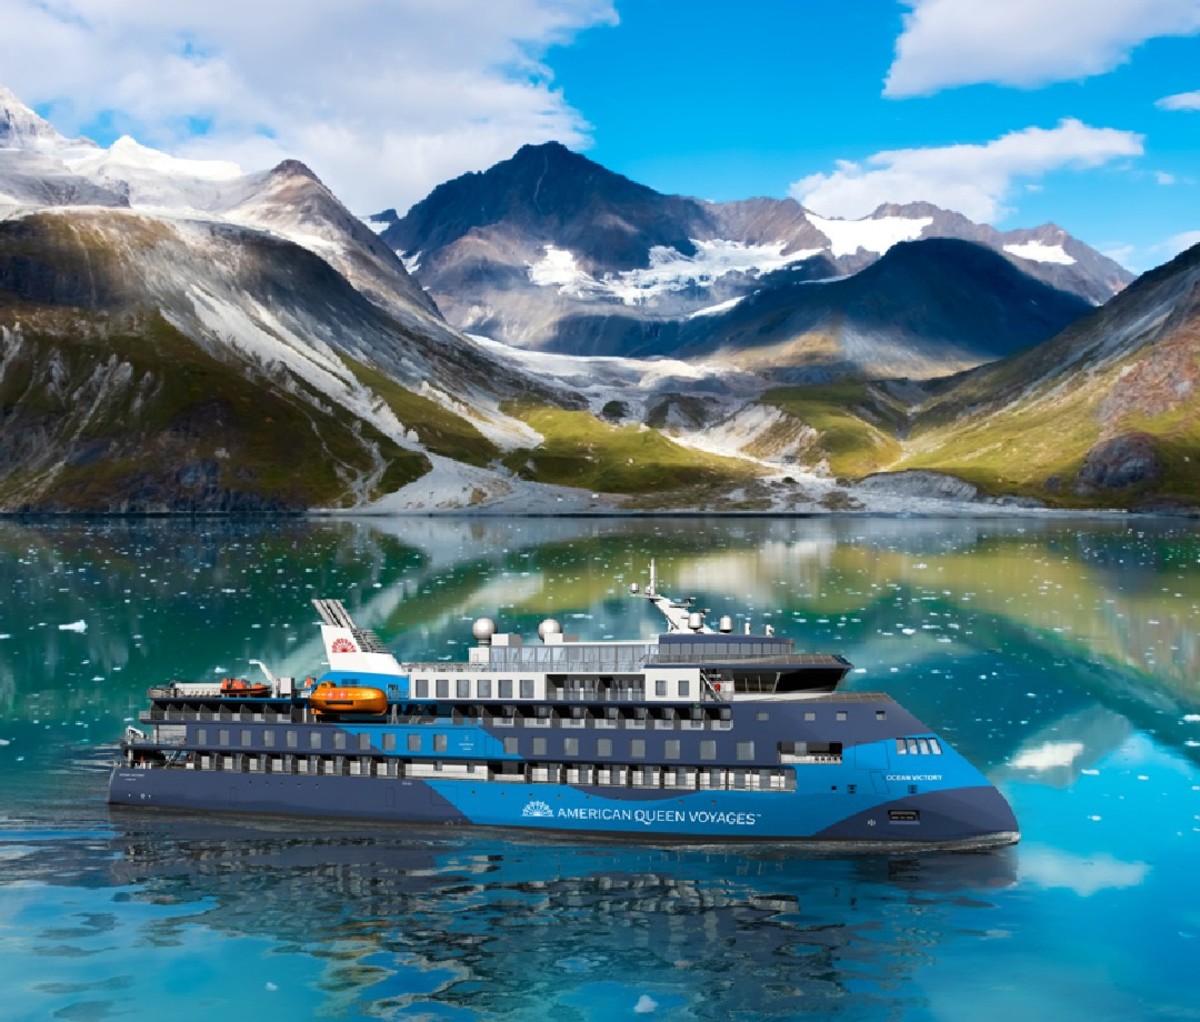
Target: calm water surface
<point>1060,656</point>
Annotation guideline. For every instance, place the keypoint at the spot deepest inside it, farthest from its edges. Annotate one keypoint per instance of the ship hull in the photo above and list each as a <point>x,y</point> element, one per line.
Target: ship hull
<point>960,818</point>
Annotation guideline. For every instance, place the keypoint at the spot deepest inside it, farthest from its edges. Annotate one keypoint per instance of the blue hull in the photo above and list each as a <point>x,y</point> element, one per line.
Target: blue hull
<point>968,817</point>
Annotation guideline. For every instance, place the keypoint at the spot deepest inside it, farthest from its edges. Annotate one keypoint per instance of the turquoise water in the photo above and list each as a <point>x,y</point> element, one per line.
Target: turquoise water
<point>1060,656</point>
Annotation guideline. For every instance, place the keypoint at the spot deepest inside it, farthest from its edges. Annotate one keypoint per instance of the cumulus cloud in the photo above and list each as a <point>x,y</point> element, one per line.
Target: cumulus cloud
<point>972,179</point>
<point>1049,867</point>
<point>1025,43</point>
<point>1180,101</point>
<point>382,98</point>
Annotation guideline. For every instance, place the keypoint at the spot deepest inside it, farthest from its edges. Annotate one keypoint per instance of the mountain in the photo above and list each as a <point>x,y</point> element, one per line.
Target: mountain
<point>177,335</point>
<point>551,251</point>
<point>1106,413</point>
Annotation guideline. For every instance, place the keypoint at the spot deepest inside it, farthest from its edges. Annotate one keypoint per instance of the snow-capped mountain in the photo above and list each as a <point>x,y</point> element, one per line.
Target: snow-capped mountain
<point>549,250</point>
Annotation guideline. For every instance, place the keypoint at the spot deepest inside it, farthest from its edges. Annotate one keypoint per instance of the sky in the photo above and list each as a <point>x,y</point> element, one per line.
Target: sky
<point>1085,113</point>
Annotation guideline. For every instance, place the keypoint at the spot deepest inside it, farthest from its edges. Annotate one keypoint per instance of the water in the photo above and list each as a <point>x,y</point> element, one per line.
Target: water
<point>1060,656</point>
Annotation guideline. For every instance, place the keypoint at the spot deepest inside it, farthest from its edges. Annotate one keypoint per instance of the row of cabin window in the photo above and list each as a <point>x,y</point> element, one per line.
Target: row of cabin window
<point>918,747</point>
<point>672,747</point>
<point>617,775</point>
<point>504,686</point>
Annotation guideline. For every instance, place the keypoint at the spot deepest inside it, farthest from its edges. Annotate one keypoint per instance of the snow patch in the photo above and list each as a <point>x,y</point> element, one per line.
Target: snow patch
<point>1040,252</point>
<point>669,270</point>
<point>847,236</point>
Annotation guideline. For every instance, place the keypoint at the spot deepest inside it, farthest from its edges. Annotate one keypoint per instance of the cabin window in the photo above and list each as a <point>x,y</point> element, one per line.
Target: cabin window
<point>745,750</point>
<point>511,746</point>
<point>414,743</point>
<point>671,748</point>
<point>202,736</point>
<point>339,740</point>
<point>422,688</point>
<point>485,688</point>
<point>293,740</point>
<point>364,742</point>
<point>660,687</point>
<point>762,715</point>
<point>841,714</point>
<point>506,688</point>
<point>708,749</point>
<point>314,739</point>
<point>439,743</point>
<point>462,688</point>
<point>442,688</point>
<point>526,688</point>
<point>570,746</point>
<point>389,743</point>
<point>223,737</point>
<point>637,748</point>
<point>881,714</point>
<point>539,747</point>
<point>604,747</point>
<point>269,738</point>
<point>245,737</point>
<point>809,715</point>
<point>685,688</point>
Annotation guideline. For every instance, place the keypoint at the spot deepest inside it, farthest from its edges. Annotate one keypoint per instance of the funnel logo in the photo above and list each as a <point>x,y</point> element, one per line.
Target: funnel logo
<point>343,646</point>
<point>539,809</point>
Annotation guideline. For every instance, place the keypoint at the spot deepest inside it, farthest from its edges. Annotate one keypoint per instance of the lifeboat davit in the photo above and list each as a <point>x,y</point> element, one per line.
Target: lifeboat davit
<point>329,697</point>
<point>241,687</point>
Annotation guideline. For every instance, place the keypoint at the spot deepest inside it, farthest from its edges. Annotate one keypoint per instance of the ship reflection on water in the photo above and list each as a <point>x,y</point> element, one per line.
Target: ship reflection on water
<point>406,920</point>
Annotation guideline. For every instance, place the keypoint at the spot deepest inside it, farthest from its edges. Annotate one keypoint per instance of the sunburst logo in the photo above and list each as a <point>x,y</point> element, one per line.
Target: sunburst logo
<point>343,646</point>
<point>539,809</point>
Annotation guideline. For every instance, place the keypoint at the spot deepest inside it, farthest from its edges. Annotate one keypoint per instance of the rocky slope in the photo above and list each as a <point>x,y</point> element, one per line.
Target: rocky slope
<point>1105,413</point>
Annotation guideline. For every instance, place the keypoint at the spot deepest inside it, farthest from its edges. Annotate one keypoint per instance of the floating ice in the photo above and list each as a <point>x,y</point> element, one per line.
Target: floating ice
<point>645,1005</point>
<point>74,626</point>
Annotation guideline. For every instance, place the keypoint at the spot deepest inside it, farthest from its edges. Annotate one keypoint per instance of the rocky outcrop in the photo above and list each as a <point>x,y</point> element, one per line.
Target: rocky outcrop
<point>1118,463</point>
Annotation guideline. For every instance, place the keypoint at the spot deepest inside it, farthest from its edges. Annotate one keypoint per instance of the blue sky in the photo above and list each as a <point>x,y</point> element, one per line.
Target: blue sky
<point>1081,112</point>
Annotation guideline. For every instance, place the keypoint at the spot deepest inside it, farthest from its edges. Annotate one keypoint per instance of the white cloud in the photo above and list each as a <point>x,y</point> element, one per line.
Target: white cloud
<point>1180,101</point>
<point>382,99</point>
<point>972,179</point>
<point>1163,178</point>
<point>1179,242</point>
<point>1025,43</point>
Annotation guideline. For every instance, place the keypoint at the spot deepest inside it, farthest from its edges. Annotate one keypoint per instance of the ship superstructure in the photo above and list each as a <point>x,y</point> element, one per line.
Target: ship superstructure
<point>697,734</point>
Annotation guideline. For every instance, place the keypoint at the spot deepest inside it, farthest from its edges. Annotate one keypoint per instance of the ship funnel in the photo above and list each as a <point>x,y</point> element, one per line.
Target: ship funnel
<point>726,624</point>
<point>483,629</point>
<point>695,620</point>
<point>549,627</point>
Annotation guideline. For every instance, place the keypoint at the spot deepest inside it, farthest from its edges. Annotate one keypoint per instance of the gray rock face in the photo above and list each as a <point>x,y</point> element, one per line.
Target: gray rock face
<point>1119,462</point>
<point>919,483</point>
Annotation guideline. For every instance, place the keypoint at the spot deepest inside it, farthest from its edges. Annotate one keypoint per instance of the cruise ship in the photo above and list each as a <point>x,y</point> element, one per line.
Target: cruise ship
<point>699,735</point>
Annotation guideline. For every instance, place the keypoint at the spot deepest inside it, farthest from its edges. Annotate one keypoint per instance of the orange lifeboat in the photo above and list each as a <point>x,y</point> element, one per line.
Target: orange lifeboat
<point>241,687</point>
<point>329,697</point>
